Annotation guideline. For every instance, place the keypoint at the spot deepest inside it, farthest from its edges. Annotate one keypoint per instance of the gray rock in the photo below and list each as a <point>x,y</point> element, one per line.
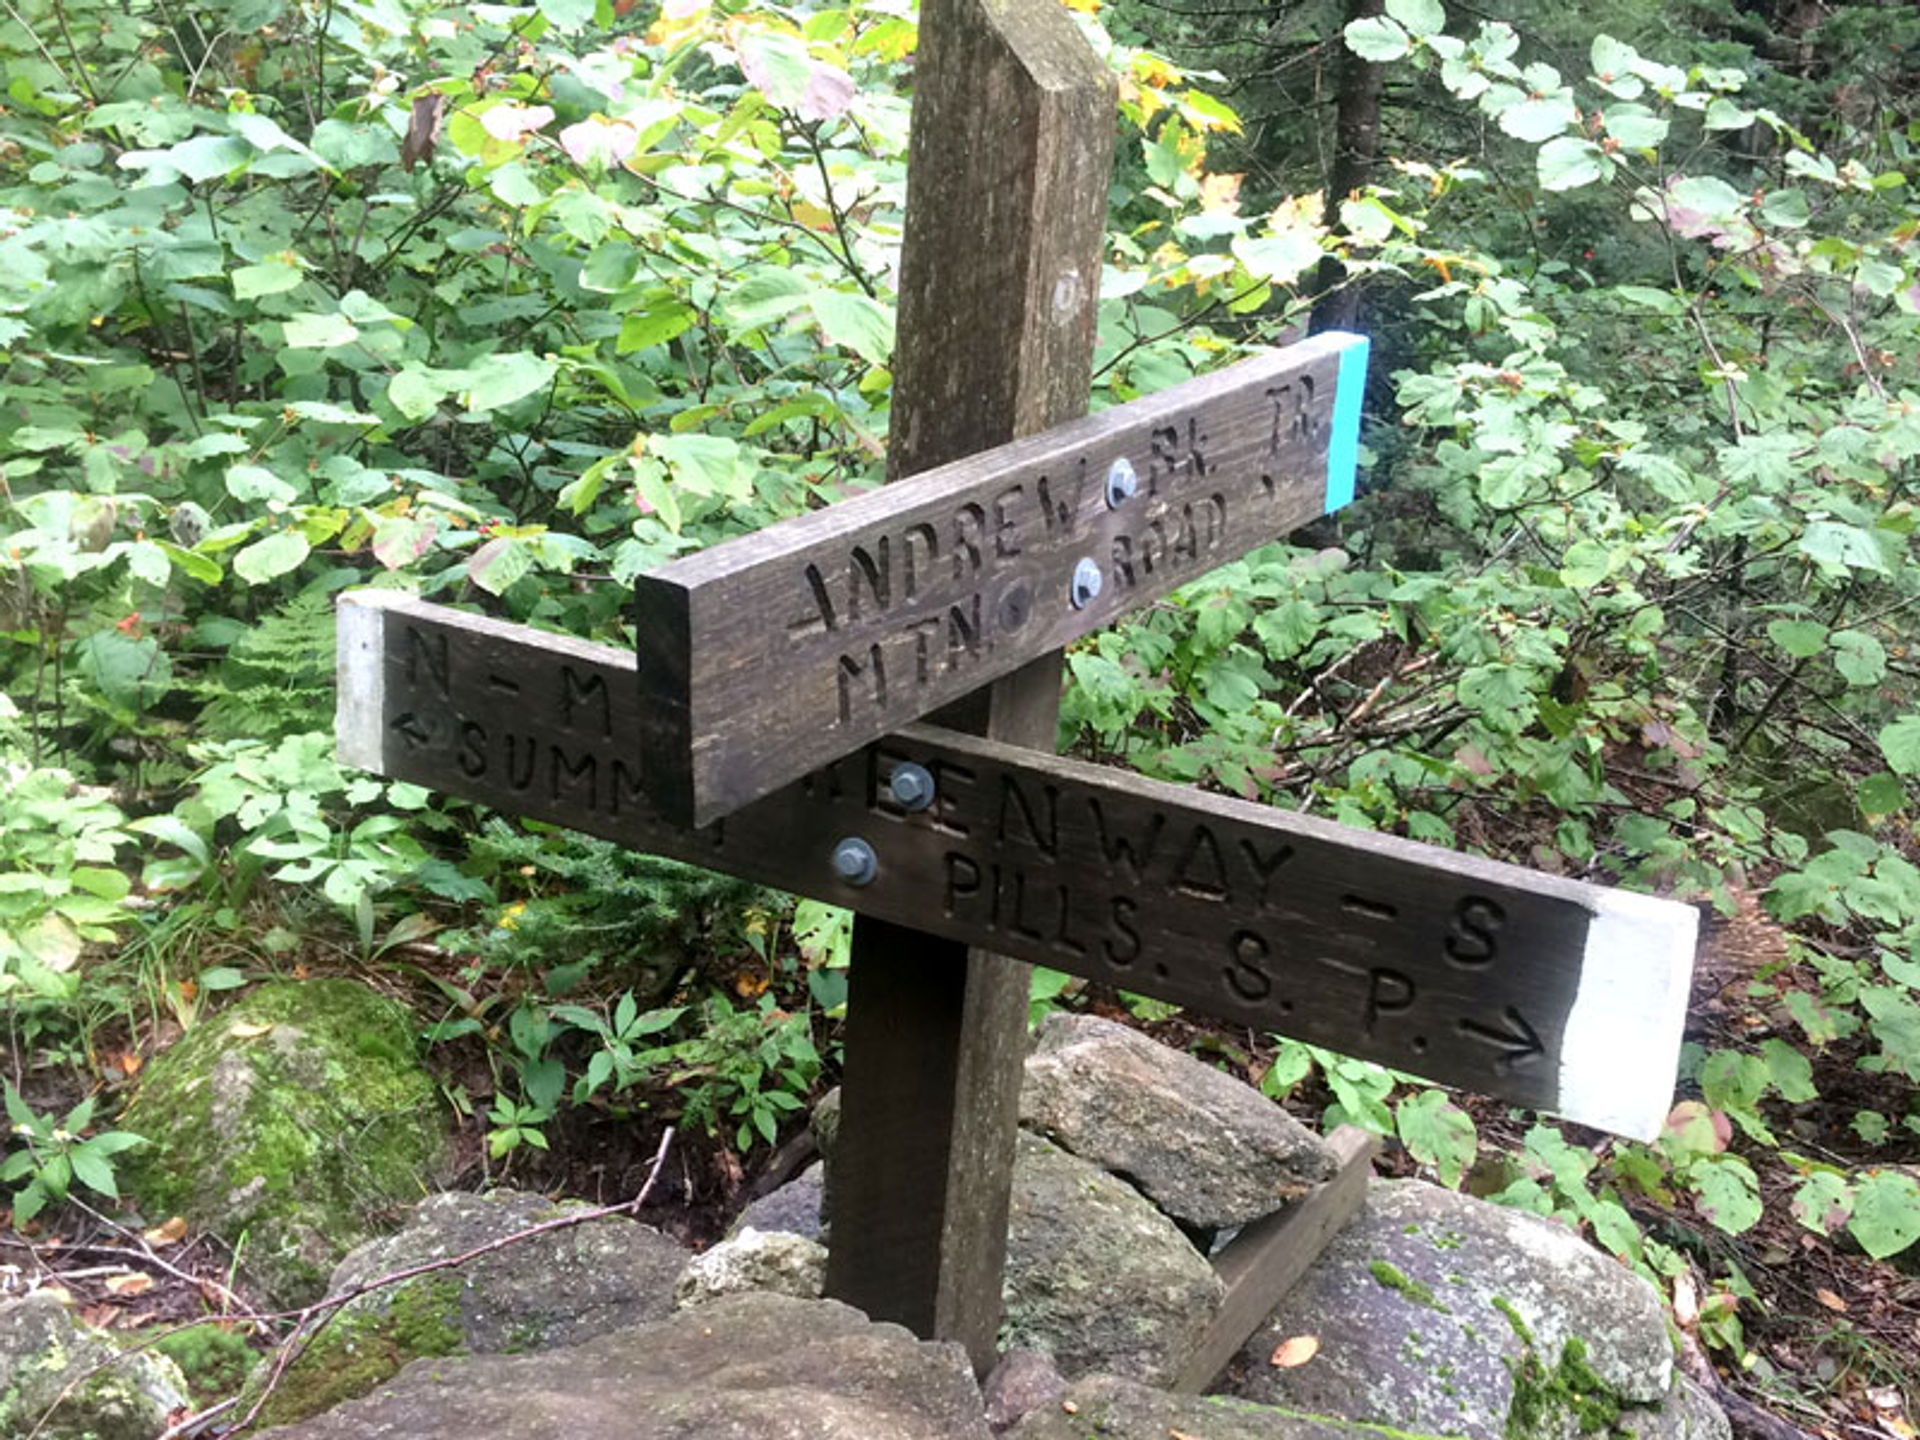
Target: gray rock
<point>797,1207</point>
<point>750,1367</point>
<point>1429,1304</point>
<point>555,1289</point>
<point>1096,1276</point>
<point>1204,1147</point>
<point>752,1260</point>
<point>825,1123</point>
<point>299,1118</point>
<point>1020,1384</point>
<point>44,1349</point>
<point>1115,1409</point>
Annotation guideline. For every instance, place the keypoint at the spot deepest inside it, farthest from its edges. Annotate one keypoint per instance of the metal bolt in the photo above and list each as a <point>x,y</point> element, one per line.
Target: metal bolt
<point>912,786</point>
<point>855,862</point>
<point>1122,483</point>
<point>1086,584</point>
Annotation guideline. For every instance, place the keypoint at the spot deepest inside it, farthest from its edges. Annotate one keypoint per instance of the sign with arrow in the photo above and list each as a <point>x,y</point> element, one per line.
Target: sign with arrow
<point>1467,971</point>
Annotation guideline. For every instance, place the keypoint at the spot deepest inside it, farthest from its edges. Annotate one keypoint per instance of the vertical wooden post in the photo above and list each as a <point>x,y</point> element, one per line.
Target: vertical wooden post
<point>1007,182</point>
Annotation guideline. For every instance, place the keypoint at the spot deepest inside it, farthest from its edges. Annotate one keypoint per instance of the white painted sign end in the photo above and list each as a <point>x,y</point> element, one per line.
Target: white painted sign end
<point>360,679</point>
<point>1622,1039</point>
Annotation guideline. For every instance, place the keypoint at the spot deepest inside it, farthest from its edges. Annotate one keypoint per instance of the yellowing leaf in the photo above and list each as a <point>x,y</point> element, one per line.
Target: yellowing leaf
<point>168,1232</point>
<point>1220,194</point>
<point>248,1029</point>
<point>127,1285</point>
<point>1832,1301</point>
<point>1295,1351</point>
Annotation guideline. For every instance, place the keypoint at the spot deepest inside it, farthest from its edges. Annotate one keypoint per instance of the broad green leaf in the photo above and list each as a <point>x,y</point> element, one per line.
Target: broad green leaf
<point>1801,639</point>
<point>271,556</point>
<point>654,326</point>
<point>1886,1212</point>
<point>1635,126</point>
<point>1790,1072</point>
<point>1708,196</point>
<point>502,379</point>
<point>414,392</point>
<point>319,332</point>
<point>1420,17</point>
<point>1723,114</point>
<point>1586,564</point>
<point>704,464</point>
<point>1880,794</point>
<point>497,564</point>
<point>1611,59</point>
<point>269,277</point>
<point>1568,162</point>
<point>1833,543</point>
<point>1859,657</point>
<point>132,672</point>
<point>1900,743</point>
<point>1726,1191</point>
<point>1823,1203</point>
<point>248,483</point>
<point>1439,1133</point>
<point>1377,39</point>
<point>765,296</point>
<point>1281,259</point>
<point>567,15</point>
<point>1539,117</point>
<point>855,322</point>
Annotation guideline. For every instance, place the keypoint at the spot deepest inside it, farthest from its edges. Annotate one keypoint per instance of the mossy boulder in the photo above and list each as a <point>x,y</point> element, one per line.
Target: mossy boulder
<point>115,1395</point>
<point>294,1125</point>
<point>551,1289</point>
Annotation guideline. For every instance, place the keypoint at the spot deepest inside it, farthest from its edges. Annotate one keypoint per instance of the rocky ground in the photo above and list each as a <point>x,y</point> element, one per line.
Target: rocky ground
<point>296,1129</point>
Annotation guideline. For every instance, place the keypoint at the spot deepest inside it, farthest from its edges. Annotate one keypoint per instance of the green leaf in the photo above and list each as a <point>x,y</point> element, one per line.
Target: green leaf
<point>855,322</point>
<point>1886,1213</point>
<point>1790,1072</point>
<point>498,563</point>
<point>271,556</point>
<point>319,332</point>
<point>414,392</point>
<point>248,483</point>
<point>1835,544</point>
<point>765,296</point>
<point>1568,162</point>
<point>1900,743</point>
<point>1823,1202</point>
<point>1420,17</point>
<point>1708,195</point>
<point>269,277</point>
<point>1880,794</point>
<point>1539,117</point>
<point>132,673</point>
<point>1439,1133</point>
<point>1586,564</point>
<point>1859,657</point>
<point>567,15</point>
<point>1377,39</point>
<point>502,379</point>
<point>1801,639</point>
<point>1635,126</point>
<point>703,464</point>
<point>1281,259</point>
<point>654,326</point>
<point>93,1170</point>
<point>1726,1191</point>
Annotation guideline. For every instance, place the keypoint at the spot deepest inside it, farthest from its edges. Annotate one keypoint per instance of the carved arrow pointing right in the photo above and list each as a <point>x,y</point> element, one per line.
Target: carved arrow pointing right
<point>1518,1042</point>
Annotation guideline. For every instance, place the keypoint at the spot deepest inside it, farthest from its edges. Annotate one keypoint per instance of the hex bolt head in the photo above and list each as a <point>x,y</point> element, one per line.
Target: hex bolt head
<point>1122,483</point>
<point>912,786</point>
<point>1086,584</point>
<point>855,862</point>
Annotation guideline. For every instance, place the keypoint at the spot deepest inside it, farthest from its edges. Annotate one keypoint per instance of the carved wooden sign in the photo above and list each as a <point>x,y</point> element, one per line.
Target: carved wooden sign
<point>1551,993</point>
<point>770,655</point>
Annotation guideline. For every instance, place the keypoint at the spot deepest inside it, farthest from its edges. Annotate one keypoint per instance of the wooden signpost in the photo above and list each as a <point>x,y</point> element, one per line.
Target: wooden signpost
<point>766,728</point>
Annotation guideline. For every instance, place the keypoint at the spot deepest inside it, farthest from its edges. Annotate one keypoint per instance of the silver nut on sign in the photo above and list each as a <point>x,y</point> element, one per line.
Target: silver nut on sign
<point>911,785</point>
<point>1085,586</point>
<point>1122,483</point>
<point>855,862</point>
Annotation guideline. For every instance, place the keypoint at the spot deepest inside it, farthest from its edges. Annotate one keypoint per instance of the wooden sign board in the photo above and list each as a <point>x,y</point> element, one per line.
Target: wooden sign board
<point>768,656</point>
<point>1558,995</point>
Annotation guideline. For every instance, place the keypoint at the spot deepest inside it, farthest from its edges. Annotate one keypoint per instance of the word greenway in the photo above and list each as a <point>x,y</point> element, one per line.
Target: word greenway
<point>1470,972</point>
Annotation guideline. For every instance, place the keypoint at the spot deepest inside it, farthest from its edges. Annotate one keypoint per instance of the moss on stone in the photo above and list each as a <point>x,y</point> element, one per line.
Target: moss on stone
<point>1394,1278</point>
<point>63,1381</point>
<point>1570,1389</point>
<point>364,1347</point>
<point>214,1360</point>
<point>298,1119</point>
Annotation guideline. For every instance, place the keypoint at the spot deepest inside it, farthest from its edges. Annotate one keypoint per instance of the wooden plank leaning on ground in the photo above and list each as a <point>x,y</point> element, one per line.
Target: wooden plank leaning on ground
<point>1010,159</point>
<point>1555,994</point>
<point>881,608</point>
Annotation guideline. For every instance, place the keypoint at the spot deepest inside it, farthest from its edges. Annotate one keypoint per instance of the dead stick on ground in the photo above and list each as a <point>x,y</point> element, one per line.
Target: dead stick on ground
<point>325,1310</point>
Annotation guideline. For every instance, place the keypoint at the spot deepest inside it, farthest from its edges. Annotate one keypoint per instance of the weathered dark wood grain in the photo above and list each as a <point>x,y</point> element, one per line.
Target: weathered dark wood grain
<point>777,652</point>
<point>1262,1262</point>
<point>1555,994</point>
<point>1006,212</point>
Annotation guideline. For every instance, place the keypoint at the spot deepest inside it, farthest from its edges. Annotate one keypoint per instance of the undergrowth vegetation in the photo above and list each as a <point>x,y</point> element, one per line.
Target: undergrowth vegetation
<point>505,305</point>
